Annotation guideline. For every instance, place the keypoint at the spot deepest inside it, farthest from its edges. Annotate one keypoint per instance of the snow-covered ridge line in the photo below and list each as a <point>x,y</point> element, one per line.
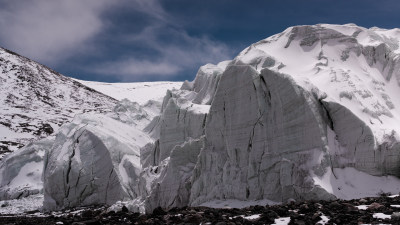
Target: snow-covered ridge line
<point>140,92</point>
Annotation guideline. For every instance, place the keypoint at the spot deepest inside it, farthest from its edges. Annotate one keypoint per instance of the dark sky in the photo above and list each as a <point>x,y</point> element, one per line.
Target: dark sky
<point>148,40</point>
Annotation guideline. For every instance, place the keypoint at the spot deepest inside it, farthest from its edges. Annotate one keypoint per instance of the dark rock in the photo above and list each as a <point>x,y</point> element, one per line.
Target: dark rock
<point>270,214</point>
<point>159,211</point>
<point>334,205</point>
<point>87,214</point>
<point>395,219</point>
<point>297,222</point>
<point>221,223</point>
<point>304,209</point>
<point>268,217</point>
<point>349,208</point>
<point>91,222</point>
<point>281,211</point>
<point>316,216</point>
<point>291,201</point>
<point>192,219</point>
<point>318,205</point>
<point>257,209</point>
<point>375,206</point>
<point>111,213</point>
<point>362,201</point>
<point>365,219</point>
<point>124,209</point>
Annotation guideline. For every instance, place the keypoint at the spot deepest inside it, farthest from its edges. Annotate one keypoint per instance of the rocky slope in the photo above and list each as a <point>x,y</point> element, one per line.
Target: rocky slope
<point>36,101</point>
<point>308,114</point>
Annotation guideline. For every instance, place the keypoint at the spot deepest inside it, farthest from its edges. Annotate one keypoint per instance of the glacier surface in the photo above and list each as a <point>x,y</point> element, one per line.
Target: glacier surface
<point>310,113</point>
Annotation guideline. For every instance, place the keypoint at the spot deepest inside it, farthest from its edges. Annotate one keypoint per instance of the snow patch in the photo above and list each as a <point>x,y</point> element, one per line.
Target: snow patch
<point>349,183</point>
<point>19,206</point>
<point>282,221</point>
<point>381,216</point>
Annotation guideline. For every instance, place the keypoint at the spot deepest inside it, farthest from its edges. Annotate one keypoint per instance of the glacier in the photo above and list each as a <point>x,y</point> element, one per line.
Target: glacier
<point>311,113</point>
<point>94,160</point>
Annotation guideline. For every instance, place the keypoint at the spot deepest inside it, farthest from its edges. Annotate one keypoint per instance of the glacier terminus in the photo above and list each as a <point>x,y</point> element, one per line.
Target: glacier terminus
<point>312,113</point>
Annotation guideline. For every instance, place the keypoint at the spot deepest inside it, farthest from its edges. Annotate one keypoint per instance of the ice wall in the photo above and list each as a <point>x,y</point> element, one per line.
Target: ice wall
<point>93,161</point>
<point>21,171</point>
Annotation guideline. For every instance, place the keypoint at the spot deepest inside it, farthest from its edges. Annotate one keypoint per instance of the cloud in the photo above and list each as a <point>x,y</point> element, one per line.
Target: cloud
<point>50,30</point>
<point>100,37</point>
<point>150,7</point>
<point>180,46</point>
<point>137,68</point>
<point>175,51</point>
<point>169,60</point>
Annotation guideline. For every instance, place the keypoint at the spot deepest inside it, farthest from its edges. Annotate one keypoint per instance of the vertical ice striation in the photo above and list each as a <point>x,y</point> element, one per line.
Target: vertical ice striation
<point>264,134</point>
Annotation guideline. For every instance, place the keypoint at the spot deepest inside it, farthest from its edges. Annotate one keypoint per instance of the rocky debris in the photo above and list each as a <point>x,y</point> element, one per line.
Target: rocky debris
<point>308,212</point>
<point>8,147</point>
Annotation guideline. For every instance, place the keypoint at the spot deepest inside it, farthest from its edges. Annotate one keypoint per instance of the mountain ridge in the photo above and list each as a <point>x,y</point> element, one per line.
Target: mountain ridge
<point>34,102</point>
<point>18,128</point>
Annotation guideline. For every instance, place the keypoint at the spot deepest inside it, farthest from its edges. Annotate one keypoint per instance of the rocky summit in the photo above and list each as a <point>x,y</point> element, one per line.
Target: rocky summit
<point>307,115</point>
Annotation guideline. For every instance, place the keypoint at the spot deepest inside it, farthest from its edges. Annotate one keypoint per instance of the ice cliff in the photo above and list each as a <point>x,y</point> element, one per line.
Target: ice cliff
<point>288,112</point>
<point>310,113</point>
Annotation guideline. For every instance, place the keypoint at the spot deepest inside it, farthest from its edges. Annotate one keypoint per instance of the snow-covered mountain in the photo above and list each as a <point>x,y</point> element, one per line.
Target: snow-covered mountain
<point>310,113</point>
<point>36,101</point>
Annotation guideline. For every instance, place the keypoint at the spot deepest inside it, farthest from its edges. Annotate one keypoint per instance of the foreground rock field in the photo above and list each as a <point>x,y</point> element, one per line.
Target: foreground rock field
<point>380,210</point>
